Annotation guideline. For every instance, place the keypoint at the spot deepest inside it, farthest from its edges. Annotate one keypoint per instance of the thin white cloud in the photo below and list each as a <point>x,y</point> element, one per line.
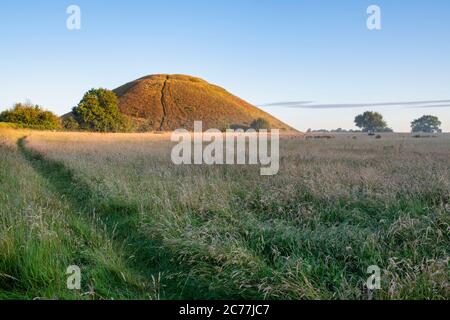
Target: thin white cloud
<point>285,103</point>
<point>432,106</point>
<point>409,104</point>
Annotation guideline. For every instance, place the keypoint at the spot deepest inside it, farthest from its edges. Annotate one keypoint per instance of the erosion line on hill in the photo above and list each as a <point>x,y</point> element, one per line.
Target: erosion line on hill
<point>163,104</point>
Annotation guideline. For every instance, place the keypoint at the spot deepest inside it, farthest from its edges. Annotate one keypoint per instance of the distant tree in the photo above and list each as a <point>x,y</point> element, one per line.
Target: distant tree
<point>260,124</point>
<point>99,111</point>
<point>370,122</point>
<point>31,116</point>
<point>428,124</point>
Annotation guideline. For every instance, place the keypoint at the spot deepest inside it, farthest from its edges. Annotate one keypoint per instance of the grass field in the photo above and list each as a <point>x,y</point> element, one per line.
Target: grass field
<point>140,227</point>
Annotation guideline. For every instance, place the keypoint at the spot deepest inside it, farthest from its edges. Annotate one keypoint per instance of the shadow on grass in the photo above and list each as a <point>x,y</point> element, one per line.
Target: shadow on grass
<point>150,259</point>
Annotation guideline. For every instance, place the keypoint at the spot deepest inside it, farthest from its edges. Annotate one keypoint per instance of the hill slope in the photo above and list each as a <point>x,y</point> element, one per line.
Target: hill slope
<point>168,102</point>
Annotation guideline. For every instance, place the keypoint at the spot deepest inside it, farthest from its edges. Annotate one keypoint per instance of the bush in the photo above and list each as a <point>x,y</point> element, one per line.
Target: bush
<point>260,124</point>
<point>31,116</point>
<point>70,124</point>
<point>99,111</point>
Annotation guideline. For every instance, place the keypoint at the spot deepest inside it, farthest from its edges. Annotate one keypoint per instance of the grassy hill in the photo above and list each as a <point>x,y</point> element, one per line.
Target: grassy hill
<point>168,102</point>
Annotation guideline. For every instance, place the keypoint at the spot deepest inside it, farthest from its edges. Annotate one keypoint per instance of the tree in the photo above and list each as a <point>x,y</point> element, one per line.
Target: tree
<point>31,116</point>
<point>99,111</point>
<point>371,122</point>
<point>260,124</point>
<point>428,124</point>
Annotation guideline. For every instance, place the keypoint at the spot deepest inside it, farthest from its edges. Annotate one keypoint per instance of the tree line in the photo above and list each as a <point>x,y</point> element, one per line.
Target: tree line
<point>99,111</point>
<point>373,122</point>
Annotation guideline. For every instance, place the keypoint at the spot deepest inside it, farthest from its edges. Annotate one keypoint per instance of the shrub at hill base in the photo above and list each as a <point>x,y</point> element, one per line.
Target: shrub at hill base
<point>99,111</point>
<point>260,124</point>
<point>31,116</point>
<point>70,124</point>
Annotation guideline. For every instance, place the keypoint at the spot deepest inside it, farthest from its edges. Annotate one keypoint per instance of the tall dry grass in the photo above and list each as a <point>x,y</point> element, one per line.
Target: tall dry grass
<point>335,208</point>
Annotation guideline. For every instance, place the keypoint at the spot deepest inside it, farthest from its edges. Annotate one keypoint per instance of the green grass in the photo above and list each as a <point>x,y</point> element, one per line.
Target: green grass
<point>42,233</point>
<point>140,227</point>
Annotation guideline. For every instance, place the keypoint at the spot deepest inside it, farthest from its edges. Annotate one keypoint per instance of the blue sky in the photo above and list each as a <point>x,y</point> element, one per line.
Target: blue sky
<point>263,51</point>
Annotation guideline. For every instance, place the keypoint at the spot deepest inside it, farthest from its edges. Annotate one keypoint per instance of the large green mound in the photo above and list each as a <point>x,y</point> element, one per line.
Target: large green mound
<point>168,102</point>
